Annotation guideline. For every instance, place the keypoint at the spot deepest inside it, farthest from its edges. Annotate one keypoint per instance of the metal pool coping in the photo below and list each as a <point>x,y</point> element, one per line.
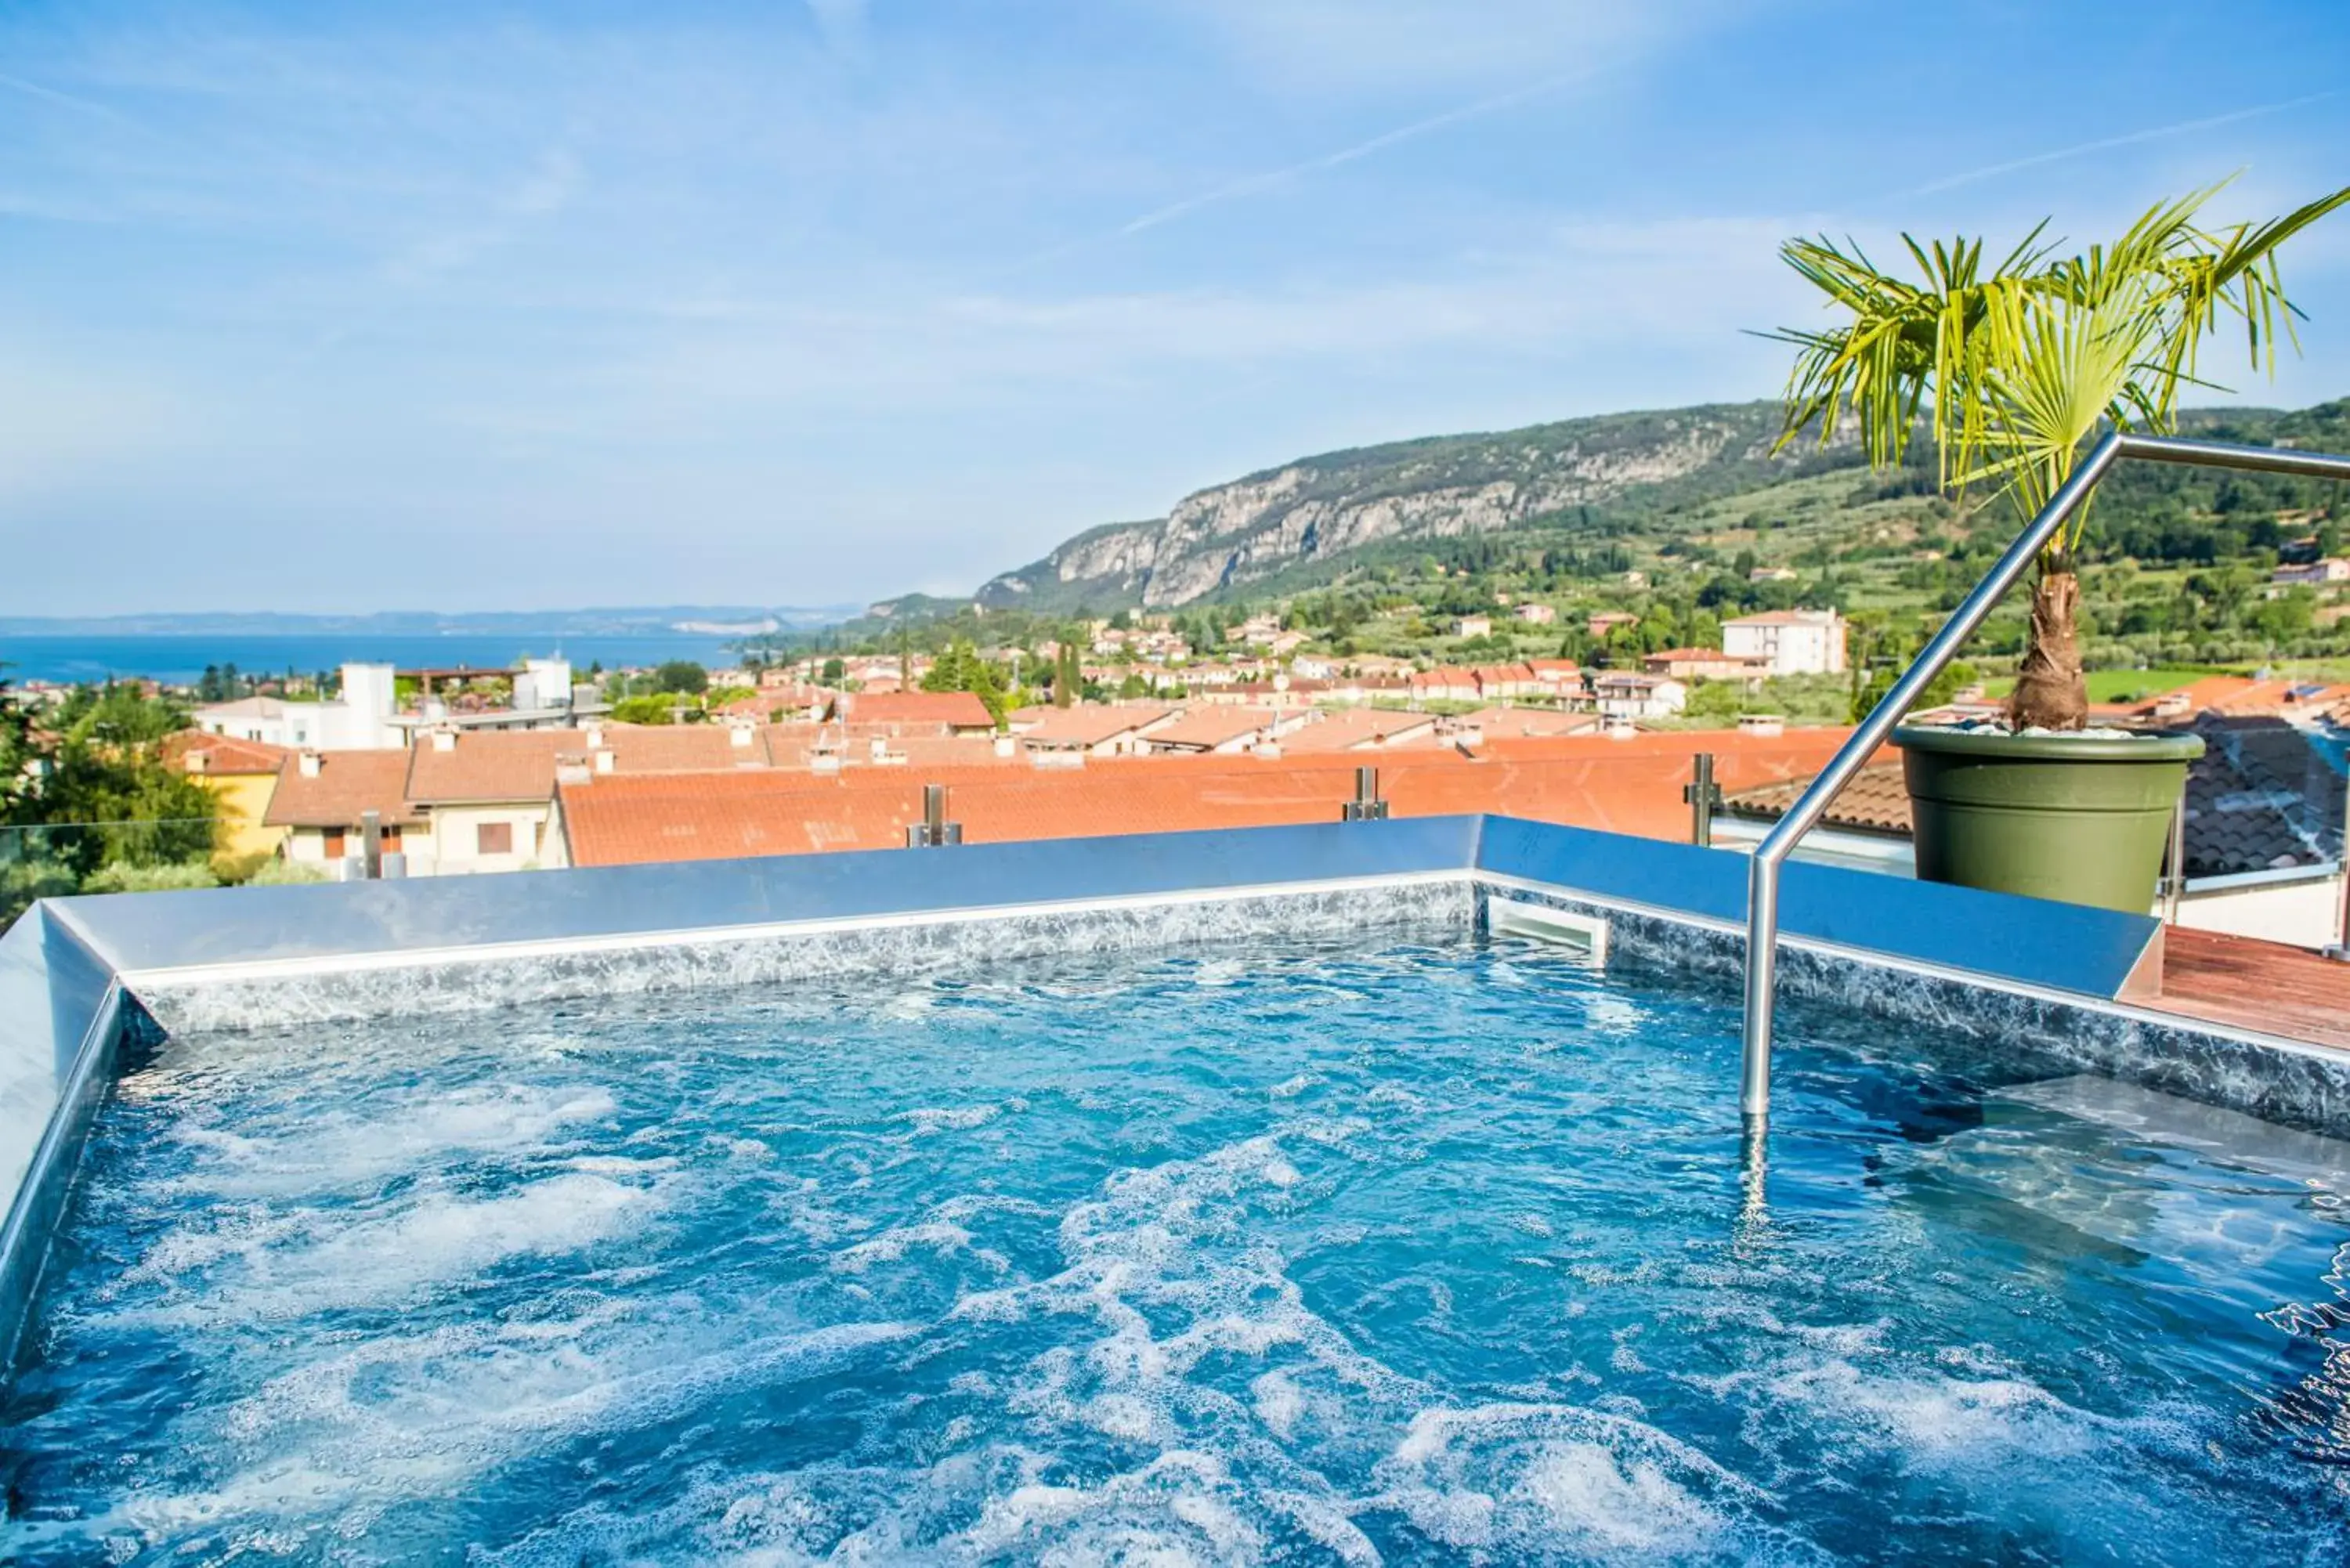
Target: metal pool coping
<point>78,974</point>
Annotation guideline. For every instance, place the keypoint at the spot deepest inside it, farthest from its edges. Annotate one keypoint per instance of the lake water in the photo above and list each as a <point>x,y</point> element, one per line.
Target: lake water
<point>182,658</point>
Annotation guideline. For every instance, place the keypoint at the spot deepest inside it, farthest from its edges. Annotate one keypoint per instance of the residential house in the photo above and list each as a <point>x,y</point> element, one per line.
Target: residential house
<point>1224,731</point>
<point>1444,684</point>
<point>1091,729</point>
<point>240,776</point>
<point>2332,569</point>
<point>916,712</point>
<point>1789,642</point>
<point>320,800</point>
<point>1772,574</point>
<point>1628,695</point>
<point>490,797</point>
<point>1558,677</point>
<point>1706,664</point>
<point>1473,625</point>
<point>1603,624</point>
<point>1502,682</point>
<point>1534,614</point>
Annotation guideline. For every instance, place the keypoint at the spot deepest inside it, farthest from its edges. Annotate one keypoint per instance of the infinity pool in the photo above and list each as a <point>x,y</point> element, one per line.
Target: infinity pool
<point>1304,1254</point>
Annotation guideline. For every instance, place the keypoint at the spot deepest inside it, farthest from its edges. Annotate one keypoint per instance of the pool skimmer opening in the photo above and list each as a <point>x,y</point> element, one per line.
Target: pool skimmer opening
<point>1586,934</point>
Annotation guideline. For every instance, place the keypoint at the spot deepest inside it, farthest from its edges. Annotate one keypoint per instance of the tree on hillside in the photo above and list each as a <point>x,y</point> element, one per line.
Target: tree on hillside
<point>960,669</point>
<point>682,676</point>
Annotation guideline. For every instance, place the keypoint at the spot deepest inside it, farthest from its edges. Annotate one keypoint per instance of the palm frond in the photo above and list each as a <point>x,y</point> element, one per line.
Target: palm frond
<point>2021,362</point>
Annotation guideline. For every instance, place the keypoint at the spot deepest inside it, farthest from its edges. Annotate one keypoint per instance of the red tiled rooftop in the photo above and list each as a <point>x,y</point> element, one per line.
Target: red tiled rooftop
<point>1350,728</point>
<point>946,710</point>
<point>192,751</point>
<point>347,784</point>
<point>1874,800</point>
<point>1084,724</point>
<point>1497,722</point>
<point>1630,785</point>
<point>1206,728</point>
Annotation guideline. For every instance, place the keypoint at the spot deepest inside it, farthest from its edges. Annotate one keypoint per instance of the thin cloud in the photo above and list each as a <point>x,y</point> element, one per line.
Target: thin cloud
<point>2107,143</point>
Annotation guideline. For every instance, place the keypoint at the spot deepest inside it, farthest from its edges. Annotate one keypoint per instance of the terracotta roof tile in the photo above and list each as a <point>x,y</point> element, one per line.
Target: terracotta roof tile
<point>347,784</point>
<point>1495,722</point>
<point>221,754</point>
<point>1368,729</point>
<point>1874,801</point>
<point>1632,786</point>
<point>1206,728</point>
<point>941,709</point>
<point>1085,724</point>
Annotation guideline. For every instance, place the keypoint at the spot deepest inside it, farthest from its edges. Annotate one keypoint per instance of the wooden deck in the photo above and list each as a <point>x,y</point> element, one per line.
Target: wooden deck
<point>2247,984</point>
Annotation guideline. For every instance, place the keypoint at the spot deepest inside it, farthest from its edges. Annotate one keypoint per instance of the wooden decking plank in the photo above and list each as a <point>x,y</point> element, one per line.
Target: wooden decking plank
<point>2250,984</point>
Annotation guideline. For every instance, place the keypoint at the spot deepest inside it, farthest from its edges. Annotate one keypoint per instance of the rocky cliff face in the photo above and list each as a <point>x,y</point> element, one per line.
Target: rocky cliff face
<point>1321,509</point>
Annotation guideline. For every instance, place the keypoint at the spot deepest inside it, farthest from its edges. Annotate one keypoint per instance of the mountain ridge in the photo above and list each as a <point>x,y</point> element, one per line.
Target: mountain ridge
<point>1302,521</point>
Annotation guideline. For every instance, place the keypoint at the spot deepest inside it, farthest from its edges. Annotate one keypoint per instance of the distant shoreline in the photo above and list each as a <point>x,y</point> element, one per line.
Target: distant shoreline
<point>179,658</point>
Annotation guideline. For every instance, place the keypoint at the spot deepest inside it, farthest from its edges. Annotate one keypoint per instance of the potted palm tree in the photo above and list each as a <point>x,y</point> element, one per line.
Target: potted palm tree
<point>2016,368</point>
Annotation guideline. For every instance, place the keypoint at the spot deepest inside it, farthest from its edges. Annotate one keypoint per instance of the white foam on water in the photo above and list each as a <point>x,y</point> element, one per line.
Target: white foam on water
<point>1534,1480</point>
<point>325,1149</point>
<point>949,1118</point>
<point>933,1236</point>
<point>1280,1404</point>
<point>327,1446</point>
<point>1183,1508</point>
<point>288,1266</point>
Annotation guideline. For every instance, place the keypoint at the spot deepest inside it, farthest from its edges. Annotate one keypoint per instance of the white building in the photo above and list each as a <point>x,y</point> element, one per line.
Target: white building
<point>359,721</point>
<point>1625,694</point>
<point>1790,642</point>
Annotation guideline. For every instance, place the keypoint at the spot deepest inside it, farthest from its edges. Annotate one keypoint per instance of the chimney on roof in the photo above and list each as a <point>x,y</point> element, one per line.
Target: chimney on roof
<point>1006,746</point>
<point>444,740</point>
<point>740,734</point>
<point>603,760</point>
<point>309,764</point>
<point>594,736</point>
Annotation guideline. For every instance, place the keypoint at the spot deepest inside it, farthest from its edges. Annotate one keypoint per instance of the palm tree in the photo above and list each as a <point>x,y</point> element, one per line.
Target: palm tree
<point>2019,365</point>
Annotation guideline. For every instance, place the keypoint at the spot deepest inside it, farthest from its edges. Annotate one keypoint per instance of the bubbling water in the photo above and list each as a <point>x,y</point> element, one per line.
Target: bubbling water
<point>1313,1253</point>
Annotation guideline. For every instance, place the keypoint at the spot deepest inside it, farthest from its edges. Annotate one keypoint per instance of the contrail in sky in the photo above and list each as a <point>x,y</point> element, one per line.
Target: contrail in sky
<point>2104,145</point>
<point>1384,140</point>
<point>1272,179</point>
<point>35,89</point>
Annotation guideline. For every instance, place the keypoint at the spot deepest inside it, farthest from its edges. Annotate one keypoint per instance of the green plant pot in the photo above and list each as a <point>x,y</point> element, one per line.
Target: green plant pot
<point>2081,819</point>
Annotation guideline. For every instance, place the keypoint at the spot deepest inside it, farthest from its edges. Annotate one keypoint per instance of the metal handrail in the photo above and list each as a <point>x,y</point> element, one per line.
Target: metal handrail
<point>1762,877</point>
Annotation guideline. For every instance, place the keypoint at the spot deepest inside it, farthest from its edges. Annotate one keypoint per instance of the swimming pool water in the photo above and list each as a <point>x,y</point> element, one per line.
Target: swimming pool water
<point>1306,1254</point>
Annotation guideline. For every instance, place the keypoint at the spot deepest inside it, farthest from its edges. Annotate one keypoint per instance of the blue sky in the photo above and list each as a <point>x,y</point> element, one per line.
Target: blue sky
<point>323,308</point>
